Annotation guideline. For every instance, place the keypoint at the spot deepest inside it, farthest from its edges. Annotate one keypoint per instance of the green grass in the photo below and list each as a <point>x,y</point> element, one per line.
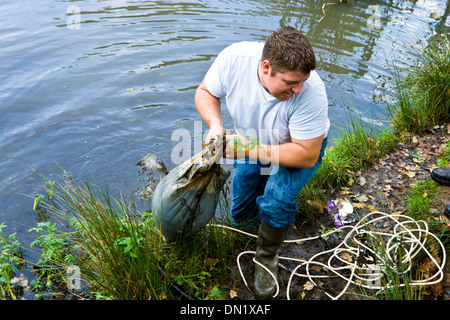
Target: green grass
<point>423,101</point>
<point>444,160</point>
<point>121,253</point>
<point>423,90</point>
<point>358,145</point>
<point>420,199</point>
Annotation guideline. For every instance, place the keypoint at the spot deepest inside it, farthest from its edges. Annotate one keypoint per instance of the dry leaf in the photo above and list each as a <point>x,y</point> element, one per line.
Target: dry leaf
<point>317,268</point>
<point>22,280</point>
<point>233,294</point>
<point>346,256</point>
<point>211,261</point>
<point>362,181</point>
<point>362,198</point>
<point>387,189</point>
<point>410,174</point>
<point>308,285</point>
<point>350,181</point>
<point>359,205</point>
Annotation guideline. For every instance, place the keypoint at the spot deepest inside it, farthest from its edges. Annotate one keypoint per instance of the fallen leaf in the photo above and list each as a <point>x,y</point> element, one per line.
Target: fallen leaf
<point>350,181</point>
<point>316,268</point>
<point>387,189</point>
<point>362,181</point>
<point>22,280</point>
<point>346,256</point>
<point>410,174</point>
<point>211,261</point>
<point>308,285</point>
<point>359,205</point>
<point>361,198</point>
<point>233,294</point>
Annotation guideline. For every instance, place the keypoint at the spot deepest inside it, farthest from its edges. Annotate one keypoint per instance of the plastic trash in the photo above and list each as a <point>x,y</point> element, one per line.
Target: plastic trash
<point>339,210</point>
<point>185,200</point>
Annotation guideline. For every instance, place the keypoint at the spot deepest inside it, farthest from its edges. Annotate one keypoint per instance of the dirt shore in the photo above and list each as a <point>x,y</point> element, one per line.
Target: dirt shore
<point>383,187</point>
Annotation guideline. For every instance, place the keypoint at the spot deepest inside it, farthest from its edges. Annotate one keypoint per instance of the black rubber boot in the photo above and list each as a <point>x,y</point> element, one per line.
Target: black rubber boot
<point>267,245</point>
<point>441,176</point>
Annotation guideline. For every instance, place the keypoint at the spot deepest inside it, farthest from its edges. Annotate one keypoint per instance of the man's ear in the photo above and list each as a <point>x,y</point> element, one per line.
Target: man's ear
<point>266,68</point>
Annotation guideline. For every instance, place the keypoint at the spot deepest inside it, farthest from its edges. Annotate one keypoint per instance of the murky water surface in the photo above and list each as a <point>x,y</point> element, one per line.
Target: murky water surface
<point>94,85</point>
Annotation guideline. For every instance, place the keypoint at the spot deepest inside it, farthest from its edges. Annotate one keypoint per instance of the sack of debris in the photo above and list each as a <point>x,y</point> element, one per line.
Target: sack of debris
<point>185,200</point>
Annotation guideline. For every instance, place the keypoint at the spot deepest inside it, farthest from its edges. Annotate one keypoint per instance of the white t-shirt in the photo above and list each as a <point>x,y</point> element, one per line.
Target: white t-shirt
<point>254,111</point>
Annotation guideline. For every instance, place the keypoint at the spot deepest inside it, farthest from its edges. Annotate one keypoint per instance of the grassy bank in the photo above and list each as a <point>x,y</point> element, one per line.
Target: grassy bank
<point>120,254</point>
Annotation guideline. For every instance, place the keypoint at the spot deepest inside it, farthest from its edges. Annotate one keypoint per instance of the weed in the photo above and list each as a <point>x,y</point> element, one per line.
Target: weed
<point>10,262</point>
<point>423,90</point>
<point>121,253</point>
<point>444,159</point>
<point>420,199</point>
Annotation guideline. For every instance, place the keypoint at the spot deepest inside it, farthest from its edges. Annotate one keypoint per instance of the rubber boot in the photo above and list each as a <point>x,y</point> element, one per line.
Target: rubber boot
<point>267,245</point>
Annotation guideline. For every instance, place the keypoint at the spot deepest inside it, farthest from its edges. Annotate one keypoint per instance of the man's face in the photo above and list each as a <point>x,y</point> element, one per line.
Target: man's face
<point>282,85</point>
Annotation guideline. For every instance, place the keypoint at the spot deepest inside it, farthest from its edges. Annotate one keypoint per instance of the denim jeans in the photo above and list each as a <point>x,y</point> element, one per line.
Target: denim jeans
<point>271,198</point>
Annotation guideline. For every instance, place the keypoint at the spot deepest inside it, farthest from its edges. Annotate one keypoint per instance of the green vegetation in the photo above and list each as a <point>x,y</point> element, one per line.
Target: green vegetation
<point>419,199</point>
<point>444,160</point>
<point>423,90</point>
<point>10,263</point>
<point>422,101</point>
<point>121,254</point>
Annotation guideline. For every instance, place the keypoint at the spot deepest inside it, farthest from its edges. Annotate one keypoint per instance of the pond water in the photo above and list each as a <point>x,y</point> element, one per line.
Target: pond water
<point>93,85</point>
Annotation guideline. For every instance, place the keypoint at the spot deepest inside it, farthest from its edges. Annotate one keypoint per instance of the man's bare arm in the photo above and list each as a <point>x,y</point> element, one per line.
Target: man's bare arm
<point>208,106</point>
<point>296,154</point>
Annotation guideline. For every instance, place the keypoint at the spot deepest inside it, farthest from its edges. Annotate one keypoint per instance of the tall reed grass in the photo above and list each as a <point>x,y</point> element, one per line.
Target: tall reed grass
<point>423,90</point>
<point>122,255</point>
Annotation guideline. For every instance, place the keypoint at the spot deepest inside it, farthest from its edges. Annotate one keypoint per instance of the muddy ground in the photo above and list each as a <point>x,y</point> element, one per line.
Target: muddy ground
<point>382,187</point>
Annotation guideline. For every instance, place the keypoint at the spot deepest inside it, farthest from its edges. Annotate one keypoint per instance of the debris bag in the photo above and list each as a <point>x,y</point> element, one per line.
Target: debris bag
<point>185,200</point>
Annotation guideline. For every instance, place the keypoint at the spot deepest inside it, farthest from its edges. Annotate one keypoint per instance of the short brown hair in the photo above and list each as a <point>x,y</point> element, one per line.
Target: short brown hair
<point>287,49</point>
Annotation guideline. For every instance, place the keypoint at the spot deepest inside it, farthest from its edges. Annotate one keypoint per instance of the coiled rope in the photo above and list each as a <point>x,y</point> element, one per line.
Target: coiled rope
<point>376,245</point>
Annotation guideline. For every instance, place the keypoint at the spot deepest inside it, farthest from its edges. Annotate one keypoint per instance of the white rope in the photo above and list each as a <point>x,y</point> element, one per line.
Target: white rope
<point>400,236</point>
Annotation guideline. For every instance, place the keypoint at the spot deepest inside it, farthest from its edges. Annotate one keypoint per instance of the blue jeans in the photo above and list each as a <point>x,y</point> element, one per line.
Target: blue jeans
<point>271,198</point>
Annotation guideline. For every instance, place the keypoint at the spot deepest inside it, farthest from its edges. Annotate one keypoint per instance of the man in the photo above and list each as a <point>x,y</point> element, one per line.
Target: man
<point>272,90</point>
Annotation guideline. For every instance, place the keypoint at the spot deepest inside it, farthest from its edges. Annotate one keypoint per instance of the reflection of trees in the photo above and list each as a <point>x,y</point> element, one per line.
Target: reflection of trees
<point>345,40</point>
<point>441,27</point>
<point>342,39</point>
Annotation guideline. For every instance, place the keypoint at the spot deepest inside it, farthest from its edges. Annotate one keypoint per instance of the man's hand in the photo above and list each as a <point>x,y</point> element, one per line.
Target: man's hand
<point>237,147</point>
<point>216,133</point>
